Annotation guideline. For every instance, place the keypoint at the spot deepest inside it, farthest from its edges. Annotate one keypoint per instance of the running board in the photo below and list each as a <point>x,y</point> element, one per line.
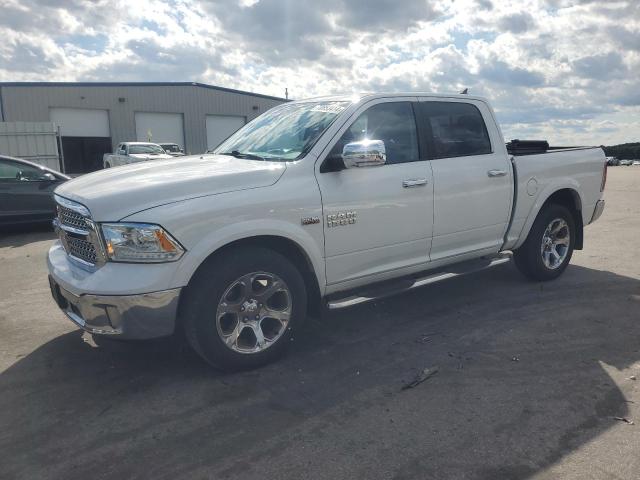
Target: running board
<point>388,289</point>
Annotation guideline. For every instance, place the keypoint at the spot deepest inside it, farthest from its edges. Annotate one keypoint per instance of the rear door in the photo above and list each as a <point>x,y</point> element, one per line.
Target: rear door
<point>378,219</point>
<point>473,184</point>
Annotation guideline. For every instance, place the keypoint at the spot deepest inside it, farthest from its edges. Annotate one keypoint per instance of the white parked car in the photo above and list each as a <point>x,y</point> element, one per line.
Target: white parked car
<point>626,162</point>
<point>133,152</point>
<point>314,203</point>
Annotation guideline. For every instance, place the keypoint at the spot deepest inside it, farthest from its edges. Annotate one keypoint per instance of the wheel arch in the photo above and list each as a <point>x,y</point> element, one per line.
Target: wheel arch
<point>285,246</point>
<point>570,198</point>
<point>567,196</point>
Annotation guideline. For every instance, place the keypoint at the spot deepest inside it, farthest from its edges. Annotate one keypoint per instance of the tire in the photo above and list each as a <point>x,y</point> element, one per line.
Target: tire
<point>244,284</point>
<point>535,258</point>
<point>106,165</point>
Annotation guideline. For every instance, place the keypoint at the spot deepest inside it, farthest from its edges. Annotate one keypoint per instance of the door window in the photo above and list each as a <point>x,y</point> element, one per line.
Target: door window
<point>19,172</point>
<point>457,129</point>
<point>393,123</point>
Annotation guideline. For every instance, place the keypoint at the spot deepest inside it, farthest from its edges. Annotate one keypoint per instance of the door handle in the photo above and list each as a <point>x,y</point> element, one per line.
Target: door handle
<point>414,182</point>
<point>496,173</point>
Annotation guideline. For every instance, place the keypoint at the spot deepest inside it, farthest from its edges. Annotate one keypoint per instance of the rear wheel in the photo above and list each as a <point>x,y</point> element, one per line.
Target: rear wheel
<point>549,247</point>
<point>240,310</point>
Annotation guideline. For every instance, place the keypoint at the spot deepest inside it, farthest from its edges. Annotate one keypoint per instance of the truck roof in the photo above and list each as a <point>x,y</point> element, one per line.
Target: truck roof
<point>357,97</point>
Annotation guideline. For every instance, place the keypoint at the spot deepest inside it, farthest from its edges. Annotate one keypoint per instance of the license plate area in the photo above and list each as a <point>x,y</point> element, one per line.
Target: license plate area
<point>57,294</point>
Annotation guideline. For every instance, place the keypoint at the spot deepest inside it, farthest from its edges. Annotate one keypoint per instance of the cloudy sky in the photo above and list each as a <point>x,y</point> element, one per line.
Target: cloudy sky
<point>565,70</point>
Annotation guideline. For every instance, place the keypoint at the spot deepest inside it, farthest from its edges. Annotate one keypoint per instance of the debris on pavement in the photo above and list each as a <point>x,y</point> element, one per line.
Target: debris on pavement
<point>624,419</point>
<point>632,377</point>
<point>421,377</point>
<point>515,358</point>
<point>425,337</point>
<point>460,357</point>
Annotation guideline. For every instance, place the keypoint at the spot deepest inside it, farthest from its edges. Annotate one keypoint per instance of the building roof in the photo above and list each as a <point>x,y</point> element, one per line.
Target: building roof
<point>137,84</point>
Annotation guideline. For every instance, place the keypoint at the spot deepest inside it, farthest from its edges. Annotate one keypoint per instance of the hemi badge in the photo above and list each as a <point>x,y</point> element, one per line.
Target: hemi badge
<point>309,220</point>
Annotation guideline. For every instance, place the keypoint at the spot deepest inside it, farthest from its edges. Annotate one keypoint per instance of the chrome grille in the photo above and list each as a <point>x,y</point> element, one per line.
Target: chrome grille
<point>66,216</point>
<point>77,232</point>
<point>82,249</point>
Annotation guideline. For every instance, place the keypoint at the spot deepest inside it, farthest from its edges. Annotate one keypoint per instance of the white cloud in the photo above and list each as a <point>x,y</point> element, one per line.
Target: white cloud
<point>558,69</point>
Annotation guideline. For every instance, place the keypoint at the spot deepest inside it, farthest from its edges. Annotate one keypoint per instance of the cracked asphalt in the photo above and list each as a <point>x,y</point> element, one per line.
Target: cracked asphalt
<point>534,381</point>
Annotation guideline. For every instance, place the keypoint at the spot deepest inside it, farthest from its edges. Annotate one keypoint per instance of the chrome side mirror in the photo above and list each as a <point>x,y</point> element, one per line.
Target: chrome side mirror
<point>367,153</point>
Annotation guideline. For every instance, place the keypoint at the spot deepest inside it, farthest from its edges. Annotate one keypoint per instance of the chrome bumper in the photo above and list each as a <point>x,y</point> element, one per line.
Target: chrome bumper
<point>141,316</point>
<point>597,211</point>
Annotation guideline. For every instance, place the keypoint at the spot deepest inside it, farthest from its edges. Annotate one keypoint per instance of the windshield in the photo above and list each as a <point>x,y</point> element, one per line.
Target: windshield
<point>286,132</point>
<point>170,147</point>
<point>149,148</point>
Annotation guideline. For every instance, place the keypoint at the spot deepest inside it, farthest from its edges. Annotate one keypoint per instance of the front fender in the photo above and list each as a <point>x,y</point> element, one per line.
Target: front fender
<point>217,239</point>
<point>203,225</point>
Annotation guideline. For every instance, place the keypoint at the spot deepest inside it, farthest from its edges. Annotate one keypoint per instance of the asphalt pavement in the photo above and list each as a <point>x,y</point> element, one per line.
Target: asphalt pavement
<point>534,380</point>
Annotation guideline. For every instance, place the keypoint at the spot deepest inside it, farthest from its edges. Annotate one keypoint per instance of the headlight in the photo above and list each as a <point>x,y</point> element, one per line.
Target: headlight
<point>139,242</point>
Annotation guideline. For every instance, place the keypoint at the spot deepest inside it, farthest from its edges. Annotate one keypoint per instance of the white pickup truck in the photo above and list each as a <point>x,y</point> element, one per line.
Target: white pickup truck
<point>326,202</point>
<point>133,152</point>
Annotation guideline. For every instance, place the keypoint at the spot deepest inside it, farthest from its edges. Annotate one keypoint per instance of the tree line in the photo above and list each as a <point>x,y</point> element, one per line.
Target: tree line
<point>625,151</point>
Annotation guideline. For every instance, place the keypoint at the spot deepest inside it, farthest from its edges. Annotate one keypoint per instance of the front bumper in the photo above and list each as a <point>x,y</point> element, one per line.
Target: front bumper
<point>147,315</point>
<point>597,211</point>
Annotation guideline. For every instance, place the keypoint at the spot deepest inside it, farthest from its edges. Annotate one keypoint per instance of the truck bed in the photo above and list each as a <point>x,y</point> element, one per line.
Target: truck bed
<point>538,175</point>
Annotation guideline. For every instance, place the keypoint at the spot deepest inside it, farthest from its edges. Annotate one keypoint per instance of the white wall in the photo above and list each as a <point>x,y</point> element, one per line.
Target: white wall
<point>81,122</point>
<point>219,127</point>
<point>163,127</point>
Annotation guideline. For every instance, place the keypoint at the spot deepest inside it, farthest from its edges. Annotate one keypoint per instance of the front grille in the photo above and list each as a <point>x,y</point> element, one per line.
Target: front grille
<point>82,249</point>
<point>71,218</point>
<point>76,231</point>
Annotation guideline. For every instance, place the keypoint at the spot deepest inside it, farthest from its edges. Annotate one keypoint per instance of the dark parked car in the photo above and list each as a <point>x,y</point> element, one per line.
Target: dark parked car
<point>26,191</point>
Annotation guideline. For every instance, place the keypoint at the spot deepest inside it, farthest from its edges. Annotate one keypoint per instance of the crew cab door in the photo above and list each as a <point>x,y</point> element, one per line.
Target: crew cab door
<point>473,184</point>
<point>377,219</point>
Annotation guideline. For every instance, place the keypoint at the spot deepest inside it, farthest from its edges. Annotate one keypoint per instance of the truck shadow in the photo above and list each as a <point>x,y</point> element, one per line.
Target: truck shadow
<point>528,373</point>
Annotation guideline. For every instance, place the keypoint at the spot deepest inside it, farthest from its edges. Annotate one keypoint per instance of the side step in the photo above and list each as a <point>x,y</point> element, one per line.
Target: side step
<point>395,287</point>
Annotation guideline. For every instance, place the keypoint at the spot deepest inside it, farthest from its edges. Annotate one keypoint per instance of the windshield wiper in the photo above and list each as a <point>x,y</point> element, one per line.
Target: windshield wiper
<point>237,154</point>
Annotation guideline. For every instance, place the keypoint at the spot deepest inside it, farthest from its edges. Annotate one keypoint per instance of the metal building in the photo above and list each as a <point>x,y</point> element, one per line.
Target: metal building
<point>94,117</point>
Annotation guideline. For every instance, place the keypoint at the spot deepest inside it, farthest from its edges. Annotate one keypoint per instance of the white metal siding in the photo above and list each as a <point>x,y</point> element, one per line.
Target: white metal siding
<point>219,127</point>
<point>160,127</point>
<point>81,122</point>
<point>34,141</point>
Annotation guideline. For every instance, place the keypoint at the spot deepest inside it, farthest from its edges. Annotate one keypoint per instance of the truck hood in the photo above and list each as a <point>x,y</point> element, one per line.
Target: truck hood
<point>115,193</point>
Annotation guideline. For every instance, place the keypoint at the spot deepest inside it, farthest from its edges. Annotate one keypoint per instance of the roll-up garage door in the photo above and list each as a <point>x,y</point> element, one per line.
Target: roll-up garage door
<point>220,127</point>
<point>86,137</point>
<point>160,127</point>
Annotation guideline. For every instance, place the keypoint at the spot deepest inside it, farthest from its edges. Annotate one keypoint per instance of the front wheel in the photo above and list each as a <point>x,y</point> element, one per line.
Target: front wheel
<point>549,246</point>
<point>241,308</point>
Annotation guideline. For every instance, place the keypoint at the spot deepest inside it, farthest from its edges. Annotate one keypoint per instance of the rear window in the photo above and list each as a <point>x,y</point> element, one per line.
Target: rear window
<point>149,148</point>
<point>457,129</point>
